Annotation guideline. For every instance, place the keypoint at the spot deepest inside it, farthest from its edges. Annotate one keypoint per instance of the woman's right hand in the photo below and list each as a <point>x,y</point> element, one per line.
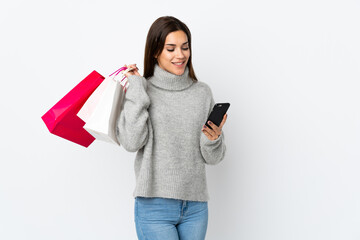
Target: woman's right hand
<point>132,72</point>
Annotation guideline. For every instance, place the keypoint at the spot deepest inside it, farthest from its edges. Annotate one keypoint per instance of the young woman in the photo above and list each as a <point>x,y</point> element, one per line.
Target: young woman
<point>163,119</point>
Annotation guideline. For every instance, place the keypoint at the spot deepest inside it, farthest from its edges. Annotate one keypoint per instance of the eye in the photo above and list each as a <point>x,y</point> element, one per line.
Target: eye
<point>171,50</point>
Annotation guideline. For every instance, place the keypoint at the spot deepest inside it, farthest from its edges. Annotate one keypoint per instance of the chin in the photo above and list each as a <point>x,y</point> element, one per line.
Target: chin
<point>178,71</point>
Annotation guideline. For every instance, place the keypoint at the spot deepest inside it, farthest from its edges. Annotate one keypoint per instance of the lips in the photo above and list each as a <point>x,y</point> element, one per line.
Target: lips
<point>178,63</point>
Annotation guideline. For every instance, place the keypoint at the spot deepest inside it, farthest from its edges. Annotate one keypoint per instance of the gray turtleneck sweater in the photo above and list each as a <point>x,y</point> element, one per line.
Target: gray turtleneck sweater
<point>162,118</point>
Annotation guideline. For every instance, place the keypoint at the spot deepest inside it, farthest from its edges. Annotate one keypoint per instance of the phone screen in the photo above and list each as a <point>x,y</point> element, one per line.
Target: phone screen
<point>217,113</point>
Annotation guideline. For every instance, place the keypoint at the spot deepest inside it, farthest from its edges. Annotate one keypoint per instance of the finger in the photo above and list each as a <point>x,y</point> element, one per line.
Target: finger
<point>207,134</point>
<point>133,66</point>
<point>134,69</point>
<point>223,121</point>
<point>135,72</point>
<point>216,129</point>
<point>210,131</point>
<point>130,73</point>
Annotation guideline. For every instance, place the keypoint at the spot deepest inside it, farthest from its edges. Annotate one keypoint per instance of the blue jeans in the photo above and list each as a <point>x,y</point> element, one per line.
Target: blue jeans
<point>170,219</point>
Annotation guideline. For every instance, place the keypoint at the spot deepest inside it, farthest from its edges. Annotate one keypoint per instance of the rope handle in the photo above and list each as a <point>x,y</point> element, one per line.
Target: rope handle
<point>118,71</point>
<point>125,69</point>
<point>123,82</point>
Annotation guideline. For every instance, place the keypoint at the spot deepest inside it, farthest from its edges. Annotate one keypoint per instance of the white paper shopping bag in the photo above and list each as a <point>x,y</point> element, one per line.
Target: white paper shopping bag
<point>88,108</point>
<point>101,110</point>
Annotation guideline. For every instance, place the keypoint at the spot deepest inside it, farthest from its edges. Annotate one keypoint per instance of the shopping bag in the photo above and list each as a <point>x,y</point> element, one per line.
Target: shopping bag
<point>61,119</point>
<point>102,109</point>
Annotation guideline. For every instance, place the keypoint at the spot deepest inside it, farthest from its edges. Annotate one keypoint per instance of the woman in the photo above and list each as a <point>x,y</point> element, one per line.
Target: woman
<point>163,120</point>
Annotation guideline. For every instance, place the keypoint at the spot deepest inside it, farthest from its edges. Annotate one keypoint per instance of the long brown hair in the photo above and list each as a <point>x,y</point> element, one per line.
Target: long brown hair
<point>155,42</point>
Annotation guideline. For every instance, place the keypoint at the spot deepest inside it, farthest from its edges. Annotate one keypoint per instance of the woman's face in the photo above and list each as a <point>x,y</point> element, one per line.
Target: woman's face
<point>176,53</point>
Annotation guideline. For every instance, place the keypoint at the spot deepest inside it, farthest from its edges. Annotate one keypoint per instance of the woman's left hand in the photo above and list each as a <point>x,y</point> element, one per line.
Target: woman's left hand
<point>215,132</point>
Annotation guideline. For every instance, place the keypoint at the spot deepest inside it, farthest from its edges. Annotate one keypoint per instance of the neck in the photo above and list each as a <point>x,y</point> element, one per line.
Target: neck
<point>169,81</point>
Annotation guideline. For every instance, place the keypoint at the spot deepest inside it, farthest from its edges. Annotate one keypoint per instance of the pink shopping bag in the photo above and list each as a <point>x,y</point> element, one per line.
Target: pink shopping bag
<point>102,109</point>
<point>62,120</point>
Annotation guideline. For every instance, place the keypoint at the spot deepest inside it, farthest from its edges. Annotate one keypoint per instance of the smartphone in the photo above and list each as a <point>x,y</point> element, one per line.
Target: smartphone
<point>217,113</point>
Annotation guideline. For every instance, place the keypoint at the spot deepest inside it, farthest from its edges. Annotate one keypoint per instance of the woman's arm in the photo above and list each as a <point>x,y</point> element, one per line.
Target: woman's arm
<point>132,125</point>
<point>212,141</point>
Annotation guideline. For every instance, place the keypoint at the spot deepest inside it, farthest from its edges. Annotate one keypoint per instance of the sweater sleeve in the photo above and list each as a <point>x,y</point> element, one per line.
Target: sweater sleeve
<point>212,151</point>
<point>132,125</point>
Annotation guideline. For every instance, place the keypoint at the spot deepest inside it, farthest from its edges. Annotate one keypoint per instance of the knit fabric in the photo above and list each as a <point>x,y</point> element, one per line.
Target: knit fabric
<point>162,118</point>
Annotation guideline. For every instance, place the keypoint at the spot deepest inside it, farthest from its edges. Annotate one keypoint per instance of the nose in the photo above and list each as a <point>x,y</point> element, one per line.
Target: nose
<point>179,53</point>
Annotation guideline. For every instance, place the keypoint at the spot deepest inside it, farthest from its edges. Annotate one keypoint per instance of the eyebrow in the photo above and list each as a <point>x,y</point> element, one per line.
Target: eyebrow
<point>170,44</point>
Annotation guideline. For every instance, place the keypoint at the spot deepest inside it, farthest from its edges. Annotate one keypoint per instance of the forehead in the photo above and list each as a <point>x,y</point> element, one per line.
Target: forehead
<point>179,37</point>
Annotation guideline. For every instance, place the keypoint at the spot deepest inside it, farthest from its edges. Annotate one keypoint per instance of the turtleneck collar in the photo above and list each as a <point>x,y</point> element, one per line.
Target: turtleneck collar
<point>169,81</point>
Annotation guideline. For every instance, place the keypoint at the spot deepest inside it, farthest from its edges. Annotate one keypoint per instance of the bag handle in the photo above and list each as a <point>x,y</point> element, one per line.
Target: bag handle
<point>118,71</point>
<point>125,69</point>
<point>123,82</point>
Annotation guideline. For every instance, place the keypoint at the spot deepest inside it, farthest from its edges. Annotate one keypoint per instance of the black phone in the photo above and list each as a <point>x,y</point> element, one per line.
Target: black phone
<point>217,113</point>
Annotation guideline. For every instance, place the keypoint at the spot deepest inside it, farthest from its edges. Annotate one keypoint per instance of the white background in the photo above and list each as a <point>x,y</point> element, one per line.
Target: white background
<point>290,70</point>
